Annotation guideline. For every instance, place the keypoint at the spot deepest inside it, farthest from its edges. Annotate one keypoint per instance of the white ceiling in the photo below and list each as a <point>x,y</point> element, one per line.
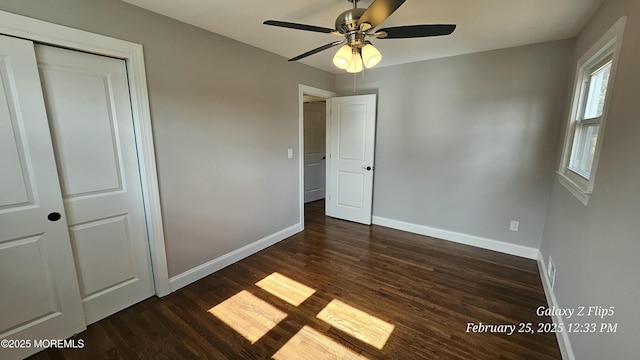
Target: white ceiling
<point>482,24</point>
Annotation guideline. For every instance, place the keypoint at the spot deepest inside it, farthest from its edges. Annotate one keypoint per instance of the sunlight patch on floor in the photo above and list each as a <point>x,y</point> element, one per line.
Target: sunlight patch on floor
<point>357,323</point>
<point>249,315</point>
<point>309,344</point>
<point>286,289</point>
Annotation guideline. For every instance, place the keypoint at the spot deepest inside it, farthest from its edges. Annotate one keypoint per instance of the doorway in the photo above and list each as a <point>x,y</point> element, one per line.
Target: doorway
<point>310,184</point>
<point>314,151</point>
<point>350,150</point>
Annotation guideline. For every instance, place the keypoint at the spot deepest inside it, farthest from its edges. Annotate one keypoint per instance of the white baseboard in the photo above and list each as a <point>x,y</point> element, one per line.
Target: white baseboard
<point>225,260</point>
<point>484,243</point>
<point>563,337</point>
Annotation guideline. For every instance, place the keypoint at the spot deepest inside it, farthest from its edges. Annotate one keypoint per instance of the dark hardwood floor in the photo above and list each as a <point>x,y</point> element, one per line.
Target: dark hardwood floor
<point>379,294</point>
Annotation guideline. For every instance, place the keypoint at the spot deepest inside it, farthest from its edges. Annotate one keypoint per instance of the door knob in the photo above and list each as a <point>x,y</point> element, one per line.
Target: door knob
<point>368,168</point>
<point>54,216</point>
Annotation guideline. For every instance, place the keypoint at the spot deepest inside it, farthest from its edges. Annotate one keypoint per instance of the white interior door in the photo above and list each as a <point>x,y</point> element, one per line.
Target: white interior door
<point>39,295</point>
<point>350,167</point>
<point>89,110</point>
<point>314,150</point>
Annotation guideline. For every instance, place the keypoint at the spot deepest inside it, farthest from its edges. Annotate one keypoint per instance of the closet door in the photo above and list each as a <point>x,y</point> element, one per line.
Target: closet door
<point>89,111</point>
<point>39,295</point>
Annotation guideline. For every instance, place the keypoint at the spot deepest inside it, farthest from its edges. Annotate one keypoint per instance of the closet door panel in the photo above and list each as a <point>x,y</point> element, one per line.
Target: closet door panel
<point>39,293</point>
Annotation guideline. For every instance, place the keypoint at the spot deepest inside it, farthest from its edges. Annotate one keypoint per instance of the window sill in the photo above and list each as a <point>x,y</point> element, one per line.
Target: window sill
<point>579,192</point>
<point>584,176</point>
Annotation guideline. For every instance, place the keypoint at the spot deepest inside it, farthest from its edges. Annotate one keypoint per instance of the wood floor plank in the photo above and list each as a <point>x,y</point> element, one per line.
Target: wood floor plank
<point>427,290</point>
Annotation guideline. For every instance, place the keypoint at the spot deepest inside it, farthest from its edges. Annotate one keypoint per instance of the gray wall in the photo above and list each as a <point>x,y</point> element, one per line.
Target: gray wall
<point>223,115</point>
<point>464,144</point>
<point>468,143</point>
<point>596,248</point>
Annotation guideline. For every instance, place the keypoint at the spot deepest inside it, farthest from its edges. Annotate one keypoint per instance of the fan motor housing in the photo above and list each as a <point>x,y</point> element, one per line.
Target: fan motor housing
<point>347,21</point>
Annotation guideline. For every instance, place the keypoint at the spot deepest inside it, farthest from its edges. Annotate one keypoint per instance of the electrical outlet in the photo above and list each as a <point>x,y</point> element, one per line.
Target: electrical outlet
<point>551,272</point>
<point>290,153</point>
<point>514,225</point>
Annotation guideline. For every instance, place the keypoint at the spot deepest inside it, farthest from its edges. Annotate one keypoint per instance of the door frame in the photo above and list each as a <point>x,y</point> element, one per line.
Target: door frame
<point>302,91</point>
<point>132,53</point>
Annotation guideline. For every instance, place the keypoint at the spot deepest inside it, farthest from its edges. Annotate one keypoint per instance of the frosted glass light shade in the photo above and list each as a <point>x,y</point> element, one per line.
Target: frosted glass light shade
<point>356,63</point>
<point>370,56</point>
<point>342,58</point>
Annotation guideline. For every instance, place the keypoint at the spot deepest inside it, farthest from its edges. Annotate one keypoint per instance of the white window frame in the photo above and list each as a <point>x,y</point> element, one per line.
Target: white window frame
<point>607,48</point>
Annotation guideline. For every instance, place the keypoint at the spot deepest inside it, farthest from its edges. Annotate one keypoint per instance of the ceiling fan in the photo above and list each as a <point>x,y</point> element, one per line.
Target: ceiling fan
<point>358,24</point>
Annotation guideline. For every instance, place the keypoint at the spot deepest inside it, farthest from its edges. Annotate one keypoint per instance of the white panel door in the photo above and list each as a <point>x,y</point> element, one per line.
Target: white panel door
<point>89,110</point>
<point>350,174</point>
<point>315,120</point>
<point>39,295</point>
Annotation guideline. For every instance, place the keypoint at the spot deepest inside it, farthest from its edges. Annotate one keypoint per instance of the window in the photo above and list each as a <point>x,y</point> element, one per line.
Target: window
<point>587,125</point>
<point>591,97</point>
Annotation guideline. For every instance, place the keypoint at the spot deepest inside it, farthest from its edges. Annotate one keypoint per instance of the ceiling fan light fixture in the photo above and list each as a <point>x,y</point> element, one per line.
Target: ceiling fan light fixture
<point>342,58</point>
<point>356,62</point>
<point>370,55</point>
<point>355,25</point>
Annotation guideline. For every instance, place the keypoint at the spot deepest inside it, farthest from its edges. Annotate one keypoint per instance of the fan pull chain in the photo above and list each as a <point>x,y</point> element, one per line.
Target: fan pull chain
<point>355,77</point>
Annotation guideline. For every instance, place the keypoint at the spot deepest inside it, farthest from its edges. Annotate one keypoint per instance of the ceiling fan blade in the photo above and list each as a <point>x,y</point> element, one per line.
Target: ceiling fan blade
<point>379,11</point>
<point>414,31</point>
<point>291,25</point>
<point>317,50</point>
